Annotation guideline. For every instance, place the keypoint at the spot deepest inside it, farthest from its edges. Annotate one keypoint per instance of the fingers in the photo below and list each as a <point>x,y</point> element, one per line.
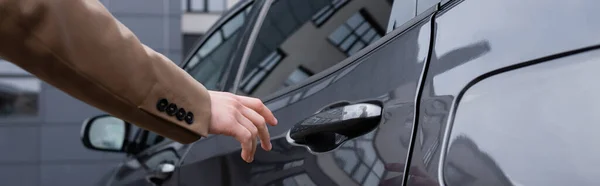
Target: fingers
<point>246,123</point>
<point>258,106</point>
<point>259,122</point>
<point>244,136</point>
<point>244,118</point>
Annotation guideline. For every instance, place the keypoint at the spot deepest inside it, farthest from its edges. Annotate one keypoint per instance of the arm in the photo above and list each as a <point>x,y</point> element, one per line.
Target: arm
<point>78,47</point>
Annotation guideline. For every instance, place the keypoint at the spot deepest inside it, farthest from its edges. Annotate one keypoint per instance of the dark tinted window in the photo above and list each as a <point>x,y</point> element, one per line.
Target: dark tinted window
<point>146,139</point>
<point>537,125</point>
<point>301,38</point>
<point>153,139</point>
<point>209,61</point>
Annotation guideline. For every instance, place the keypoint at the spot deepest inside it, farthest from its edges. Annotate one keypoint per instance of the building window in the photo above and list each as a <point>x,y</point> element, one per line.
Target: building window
<point>299,75</point>
<point>207,6</point>
<point>19,92</point>
<point>355,34</point>
<point>258,74</point>
<point>326,12</point>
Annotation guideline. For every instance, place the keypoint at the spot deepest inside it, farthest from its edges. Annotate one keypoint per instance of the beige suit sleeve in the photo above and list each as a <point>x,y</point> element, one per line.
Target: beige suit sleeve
<point>80,48</point>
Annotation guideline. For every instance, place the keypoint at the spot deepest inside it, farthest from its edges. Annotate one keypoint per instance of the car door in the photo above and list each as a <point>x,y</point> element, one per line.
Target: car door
<point>143,168</point>
<point>317,55</point>
<point>508,97</point>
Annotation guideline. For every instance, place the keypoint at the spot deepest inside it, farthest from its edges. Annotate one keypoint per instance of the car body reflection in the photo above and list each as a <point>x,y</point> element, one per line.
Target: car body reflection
<point>361,161</point>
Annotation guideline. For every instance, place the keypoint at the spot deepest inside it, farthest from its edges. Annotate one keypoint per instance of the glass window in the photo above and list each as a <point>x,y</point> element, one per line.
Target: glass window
<point>327,11</point>
<point>208,62</point>
<point>216,5</point>
<point>197,5</point>
<point>213,42</point>
<point>184,5</point>
<point>301,34</point>
<point>233,25</point>
<point>298,76</point>
<point>340,34</point>
<point>153,139</point>
<point>355,34</point>
<point>19,92</point>
<point>261,71</point>
<point>402,12</point>
<point>423,5</point>
<point>204,5</point>
<point>537,125</point>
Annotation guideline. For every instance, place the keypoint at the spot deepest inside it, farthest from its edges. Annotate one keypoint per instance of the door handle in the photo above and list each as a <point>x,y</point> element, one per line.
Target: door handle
<point>330,128</point>
<point>162,173</point>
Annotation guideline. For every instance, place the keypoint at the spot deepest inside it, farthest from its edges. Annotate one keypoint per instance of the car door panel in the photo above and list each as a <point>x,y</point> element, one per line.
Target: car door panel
<point>468,45</point>
<point>387,71</point>
<point>136,169</point>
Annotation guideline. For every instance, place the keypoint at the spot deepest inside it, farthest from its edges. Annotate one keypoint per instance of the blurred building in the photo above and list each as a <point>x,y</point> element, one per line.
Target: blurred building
<point>198,17</point>
<point>40,125</point>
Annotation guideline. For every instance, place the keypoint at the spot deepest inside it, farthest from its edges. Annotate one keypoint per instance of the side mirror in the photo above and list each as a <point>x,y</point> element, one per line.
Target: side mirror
<point>105,133</point>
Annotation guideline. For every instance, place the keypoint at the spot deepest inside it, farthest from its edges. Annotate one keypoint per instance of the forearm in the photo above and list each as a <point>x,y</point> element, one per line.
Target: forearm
<point>78,47</point>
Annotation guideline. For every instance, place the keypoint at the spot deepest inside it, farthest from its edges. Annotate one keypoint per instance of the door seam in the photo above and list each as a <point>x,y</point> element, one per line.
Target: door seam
<point>421,84</point>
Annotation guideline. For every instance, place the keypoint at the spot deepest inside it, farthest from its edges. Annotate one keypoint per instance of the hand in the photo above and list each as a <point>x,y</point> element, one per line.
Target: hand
<point>243,118</point>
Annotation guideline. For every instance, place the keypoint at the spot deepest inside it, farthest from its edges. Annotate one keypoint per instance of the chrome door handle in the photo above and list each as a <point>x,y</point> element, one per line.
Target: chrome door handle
<point>328,129</point>
<point>162,173</point>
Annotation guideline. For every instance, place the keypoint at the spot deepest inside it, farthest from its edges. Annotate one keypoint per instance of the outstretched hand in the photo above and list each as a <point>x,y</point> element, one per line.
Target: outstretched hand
<point>243,118</point>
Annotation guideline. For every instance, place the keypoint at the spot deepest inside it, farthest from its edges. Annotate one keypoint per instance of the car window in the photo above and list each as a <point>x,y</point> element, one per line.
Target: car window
<point>402,12</point>
<point>423,5</point>
<point>146,139</point>
<point>537,125</point>
<point>208,62</point>
<point>299,39</point>
<point>153,139</point>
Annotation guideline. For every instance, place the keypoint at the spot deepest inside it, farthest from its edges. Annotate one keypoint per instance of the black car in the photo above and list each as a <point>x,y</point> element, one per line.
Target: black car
<point>460,93</point>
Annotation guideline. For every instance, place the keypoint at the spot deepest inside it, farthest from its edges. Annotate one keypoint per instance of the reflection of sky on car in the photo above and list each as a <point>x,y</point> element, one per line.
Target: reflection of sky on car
<point>562,138</point>
<point>455,34</point>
